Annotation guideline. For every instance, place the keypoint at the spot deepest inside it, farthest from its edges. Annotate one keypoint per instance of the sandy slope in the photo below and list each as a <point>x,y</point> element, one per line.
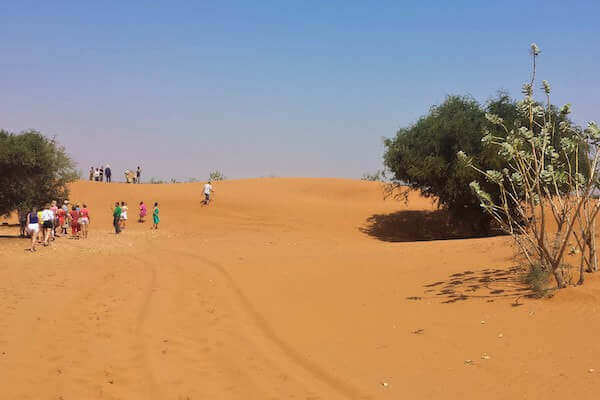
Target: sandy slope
<point>283,289</point>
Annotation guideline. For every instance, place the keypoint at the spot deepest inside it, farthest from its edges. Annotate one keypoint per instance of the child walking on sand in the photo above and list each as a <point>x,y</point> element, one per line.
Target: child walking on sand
<point>84,217</point>
<point>155,217</point>
<point>143,212</point>
<point>123,214</point>
<point>74,217</point>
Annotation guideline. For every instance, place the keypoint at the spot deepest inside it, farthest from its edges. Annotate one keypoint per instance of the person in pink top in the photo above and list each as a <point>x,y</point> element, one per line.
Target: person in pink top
<point>84,218</point>
<point>143,212</point>
<point>54,210</point>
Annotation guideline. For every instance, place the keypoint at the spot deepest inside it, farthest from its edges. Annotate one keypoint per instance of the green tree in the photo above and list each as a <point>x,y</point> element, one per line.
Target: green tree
<point>34,170</point>
<point>424,156</point>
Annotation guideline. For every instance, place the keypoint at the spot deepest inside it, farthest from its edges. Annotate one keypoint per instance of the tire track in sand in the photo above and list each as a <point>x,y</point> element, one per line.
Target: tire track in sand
<point>310,367</point>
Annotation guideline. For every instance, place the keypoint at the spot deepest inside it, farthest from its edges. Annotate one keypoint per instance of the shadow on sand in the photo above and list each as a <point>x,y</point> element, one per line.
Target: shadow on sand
<point>489,284</point>
<point>8,231</point>
<point>419,225</point>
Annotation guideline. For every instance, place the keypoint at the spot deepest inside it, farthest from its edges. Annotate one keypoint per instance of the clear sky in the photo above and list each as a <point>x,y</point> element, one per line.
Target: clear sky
<point>288,88</point>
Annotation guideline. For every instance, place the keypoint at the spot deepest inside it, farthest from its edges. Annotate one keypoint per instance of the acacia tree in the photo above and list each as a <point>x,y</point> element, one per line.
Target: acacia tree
<point>423,156</point>
<point>34,170</point>
<point>546,186</point>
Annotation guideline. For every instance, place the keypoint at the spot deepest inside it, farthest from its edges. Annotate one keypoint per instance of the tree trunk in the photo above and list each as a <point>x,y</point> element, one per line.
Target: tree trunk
<point>592,249</point>
<point>581,271</point>
<point>560,279</point>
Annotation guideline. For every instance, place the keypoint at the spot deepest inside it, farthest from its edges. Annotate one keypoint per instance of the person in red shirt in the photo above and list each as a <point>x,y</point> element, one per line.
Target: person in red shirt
<point>74,218</point>
<point>62,215</point>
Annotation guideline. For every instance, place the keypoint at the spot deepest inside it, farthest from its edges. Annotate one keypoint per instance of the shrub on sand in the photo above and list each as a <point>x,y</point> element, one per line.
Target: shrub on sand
<point>546,186</point>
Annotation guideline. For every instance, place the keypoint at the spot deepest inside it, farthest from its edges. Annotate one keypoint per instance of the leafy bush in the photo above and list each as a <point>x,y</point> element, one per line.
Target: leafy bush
<point>538,279</point>
<point>377,176</point>
<point>549,173</point>
<point>34,170</point>
<point>216,175</point>
<point>424,156</point>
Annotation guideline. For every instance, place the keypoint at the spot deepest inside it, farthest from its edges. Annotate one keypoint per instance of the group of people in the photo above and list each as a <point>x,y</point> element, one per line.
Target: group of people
<point>98,174</point>
<point>119,212</point>
<point>133,176</point>
<point>51,221</point>
<point>104,174</point>
<point>45,225</point>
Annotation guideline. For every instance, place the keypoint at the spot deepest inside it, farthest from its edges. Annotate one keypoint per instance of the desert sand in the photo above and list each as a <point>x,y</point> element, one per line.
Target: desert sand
<point>284,289</point>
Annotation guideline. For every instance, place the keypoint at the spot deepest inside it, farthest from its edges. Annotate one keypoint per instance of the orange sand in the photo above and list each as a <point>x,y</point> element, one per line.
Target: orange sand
<point>283,289</point>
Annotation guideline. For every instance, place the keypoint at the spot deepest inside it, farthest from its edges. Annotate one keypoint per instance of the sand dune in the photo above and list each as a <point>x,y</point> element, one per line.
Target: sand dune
<point>284,289</point>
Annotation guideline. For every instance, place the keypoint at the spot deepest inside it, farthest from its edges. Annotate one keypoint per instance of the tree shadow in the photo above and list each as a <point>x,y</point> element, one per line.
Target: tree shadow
<point>489,284</point>
<point>418,225</point>
<point>8,232</point>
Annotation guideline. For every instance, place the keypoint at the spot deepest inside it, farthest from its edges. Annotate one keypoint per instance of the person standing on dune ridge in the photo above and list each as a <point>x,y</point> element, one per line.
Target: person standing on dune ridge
<point>138,175</point>
<point>108,173</point>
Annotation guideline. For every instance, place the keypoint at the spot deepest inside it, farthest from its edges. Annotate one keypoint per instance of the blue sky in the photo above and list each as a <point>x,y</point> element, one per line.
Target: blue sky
<point>289,88</point>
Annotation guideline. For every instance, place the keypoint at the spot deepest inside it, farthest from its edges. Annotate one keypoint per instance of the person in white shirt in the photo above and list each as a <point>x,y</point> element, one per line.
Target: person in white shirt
<point>47,223</point>
<point>208,190</point>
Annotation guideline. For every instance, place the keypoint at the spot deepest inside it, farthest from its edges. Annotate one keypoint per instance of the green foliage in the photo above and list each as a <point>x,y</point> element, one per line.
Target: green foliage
<point>538,280</point>
<point>377,176</point>
<point>34,170</point>
<point>424,156</point>
<point>216,175</point>
<point>543,193</point>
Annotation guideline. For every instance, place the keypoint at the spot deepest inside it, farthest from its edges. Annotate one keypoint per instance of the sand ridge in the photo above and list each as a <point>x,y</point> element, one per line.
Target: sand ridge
<point>280,290</point>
